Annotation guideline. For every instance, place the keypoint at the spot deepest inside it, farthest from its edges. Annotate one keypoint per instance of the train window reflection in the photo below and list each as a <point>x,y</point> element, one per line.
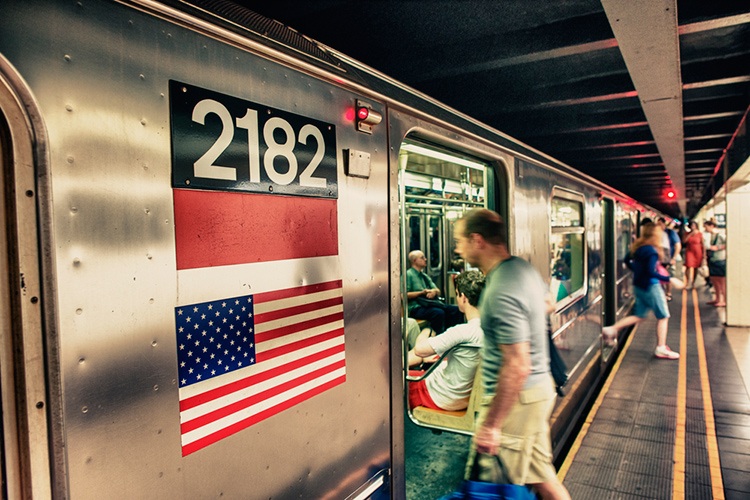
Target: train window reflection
<point>567,247</point>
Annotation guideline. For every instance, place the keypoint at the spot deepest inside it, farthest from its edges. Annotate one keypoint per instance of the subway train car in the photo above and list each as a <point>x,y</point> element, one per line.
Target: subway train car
<point>205,223</point>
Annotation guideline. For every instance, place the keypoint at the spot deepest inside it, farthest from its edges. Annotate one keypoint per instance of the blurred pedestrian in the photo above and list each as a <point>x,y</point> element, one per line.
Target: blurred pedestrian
<point>513,422</point>
<point>644,260</point>
<point>717,263</point>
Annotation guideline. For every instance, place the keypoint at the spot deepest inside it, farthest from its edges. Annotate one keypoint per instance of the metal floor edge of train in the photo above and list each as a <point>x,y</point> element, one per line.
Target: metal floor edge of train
<point>658,428</point>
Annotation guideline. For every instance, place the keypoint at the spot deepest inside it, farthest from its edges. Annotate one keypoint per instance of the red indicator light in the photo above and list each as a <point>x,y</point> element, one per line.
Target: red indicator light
<point>670,193</point>
<point>363,113</point>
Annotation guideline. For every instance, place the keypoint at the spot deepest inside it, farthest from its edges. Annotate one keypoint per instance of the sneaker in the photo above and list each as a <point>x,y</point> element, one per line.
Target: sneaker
<point>610,336</point>
<point>664,352</point>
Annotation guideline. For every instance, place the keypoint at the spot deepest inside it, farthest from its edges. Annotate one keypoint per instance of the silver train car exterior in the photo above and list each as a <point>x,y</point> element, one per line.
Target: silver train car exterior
<point>205,243</point>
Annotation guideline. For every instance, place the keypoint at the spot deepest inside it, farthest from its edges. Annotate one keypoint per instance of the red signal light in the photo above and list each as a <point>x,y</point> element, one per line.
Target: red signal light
<point>363,113</point>
<point>367,117</point>
<point>670,193</point>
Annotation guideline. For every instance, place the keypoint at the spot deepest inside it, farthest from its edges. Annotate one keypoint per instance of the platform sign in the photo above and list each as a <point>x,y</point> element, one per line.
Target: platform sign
<point>224,143</point>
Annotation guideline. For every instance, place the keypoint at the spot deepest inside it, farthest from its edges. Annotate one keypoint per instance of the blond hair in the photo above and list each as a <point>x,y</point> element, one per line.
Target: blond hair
<point>651,234</point>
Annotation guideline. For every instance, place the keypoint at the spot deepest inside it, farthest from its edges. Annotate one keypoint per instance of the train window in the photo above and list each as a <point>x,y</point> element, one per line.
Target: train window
<point>437,186</point>
<point>625,237</point>
<point>567,246</point>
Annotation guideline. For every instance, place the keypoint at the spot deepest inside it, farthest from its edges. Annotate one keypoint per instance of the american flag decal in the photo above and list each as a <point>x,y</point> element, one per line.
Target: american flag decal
<point>243,358</point>
<point>214,338</point>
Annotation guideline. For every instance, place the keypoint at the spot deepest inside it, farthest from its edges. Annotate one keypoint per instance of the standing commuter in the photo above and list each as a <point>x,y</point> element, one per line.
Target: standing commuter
<point>694,254</point>
<point>649,294</point>
<point>670,246</point>
<point>717,263</point>
<point>519,391</point>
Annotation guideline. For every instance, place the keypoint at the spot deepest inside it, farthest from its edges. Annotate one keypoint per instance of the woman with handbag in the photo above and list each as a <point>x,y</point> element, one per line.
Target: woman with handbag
<point>693,242</point>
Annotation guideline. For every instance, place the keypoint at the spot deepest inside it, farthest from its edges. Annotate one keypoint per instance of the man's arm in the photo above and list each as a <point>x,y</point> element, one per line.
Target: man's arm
<point>510,380</point>
<point>421,346</point>
<point>415,287</point>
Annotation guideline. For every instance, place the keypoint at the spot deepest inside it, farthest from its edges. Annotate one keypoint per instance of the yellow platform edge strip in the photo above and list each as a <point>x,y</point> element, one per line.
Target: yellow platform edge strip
<point>714,463</point>
<point>678,457</point>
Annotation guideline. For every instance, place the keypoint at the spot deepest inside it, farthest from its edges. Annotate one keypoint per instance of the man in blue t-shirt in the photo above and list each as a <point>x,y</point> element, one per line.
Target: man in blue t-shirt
<point>519,390</point>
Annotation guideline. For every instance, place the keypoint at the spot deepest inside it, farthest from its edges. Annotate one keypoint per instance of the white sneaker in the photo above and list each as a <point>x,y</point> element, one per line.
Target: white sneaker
<point>610,336</point>
<point>664,352</point>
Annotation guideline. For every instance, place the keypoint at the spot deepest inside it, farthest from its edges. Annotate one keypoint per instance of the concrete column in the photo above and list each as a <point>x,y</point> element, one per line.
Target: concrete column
<point>738,248</point>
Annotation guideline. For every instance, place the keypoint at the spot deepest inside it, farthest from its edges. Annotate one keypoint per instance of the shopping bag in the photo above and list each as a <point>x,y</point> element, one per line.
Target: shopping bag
<point>474,489</point>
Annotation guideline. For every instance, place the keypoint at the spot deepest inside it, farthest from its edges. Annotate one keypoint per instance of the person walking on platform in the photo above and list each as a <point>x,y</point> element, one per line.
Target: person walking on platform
<point>519,392</point>
<point>694,254</point>
<point>648,274</point>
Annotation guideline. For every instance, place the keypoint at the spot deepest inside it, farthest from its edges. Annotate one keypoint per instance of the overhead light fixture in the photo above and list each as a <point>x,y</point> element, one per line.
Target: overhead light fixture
<point>439,155</point>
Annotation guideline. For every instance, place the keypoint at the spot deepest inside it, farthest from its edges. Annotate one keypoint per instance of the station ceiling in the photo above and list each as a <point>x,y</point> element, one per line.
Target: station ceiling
<point>644,95</point>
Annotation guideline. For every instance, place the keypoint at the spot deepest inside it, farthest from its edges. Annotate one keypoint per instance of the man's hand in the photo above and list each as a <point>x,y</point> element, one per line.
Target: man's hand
<point>487,440</point>
<point>431,294</point>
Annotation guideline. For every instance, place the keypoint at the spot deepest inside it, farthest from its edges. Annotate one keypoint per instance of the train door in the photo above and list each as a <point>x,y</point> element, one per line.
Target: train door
<point>609,309</point>
<point>608,246</point>
<point>24,449</point>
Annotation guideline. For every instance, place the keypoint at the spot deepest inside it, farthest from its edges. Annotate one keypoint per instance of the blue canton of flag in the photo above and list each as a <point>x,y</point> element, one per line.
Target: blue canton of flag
<point>214,338</point>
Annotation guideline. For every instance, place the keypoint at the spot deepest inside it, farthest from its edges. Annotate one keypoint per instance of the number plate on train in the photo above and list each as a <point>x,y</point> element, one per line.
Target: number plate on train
<point>220,142</point>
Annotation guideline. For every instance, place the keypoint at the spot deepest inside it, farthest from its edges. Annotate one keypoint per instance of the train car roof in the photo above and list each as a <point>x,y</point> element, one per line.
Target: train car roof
<point>641,100</point>
<point>309,52</point>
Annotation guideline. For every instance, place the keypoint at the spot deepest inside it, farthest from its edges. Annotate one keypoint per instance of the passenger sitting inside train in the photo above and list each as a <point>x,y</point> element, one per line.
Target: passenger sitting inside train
<point>423,297</point>
<point>449,386</point>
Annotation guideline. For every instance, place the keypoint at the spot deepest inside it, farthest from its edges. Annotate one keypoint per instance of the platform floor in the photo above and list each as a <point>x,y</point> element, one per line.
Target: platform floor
<point>670,429</point>
<point>659,429</point>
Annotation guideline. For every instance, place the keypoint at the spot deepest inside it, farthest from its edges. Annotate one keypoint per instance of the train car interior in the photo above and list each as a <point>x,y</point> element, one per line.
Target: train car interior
<point>436,187</point>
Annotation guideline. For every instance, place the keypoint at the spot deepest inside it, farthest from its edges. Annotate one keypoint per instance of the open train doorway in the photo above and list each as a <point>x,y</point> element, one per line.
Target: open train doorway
<point>436,187</point>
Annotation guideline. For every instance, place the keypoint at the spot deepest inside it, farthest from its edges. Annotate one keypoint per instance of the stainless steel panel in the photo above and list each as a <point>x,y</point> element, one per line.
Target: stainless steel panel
<point>100,72</point>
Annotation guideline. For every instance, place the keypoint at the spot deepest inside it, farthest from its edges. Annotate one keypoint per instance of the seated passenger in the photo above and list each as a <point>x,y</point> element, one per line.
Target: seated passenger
<point>449,386</point>
<point>422,295</point>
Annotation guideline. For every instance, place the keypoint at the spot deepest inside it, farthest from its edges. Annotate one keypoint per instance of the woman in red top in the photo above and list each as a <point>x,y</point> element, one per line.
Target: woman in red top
<point>694,253</point>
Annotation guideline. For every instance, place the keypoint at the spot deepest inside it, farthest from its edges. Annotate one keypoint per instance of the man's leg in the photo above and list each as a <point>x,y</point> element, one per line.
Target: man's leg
<point>435,315</point>
<point>552,489</point>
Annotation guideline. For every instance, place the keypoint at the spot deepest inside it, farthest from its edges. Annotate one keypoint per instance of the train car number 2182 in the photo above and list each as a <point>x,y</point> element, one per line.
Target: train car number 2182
<point>220,142</point>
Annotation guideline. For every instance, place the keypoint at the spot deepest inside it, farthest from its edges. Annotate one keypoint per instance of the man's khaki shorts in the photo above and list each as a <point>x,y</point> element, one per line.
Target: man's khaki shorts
<point>526,448</point>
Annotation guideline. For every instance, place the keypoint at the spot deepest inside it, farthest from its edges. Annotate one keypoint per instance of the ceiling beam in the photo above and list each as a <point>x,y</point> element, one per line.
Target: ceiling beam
<point>647,33</point>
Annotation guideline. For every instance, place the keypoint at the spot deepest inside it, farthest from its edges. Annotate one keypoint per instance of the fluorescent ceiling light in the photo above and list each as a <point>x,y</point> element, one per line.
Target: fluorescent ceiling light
<point>413,148</point>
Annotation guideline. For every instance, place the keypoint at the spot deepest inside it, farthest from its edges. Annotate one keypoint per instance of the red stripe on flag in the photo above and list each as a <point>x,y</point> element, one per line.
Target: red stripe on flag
<point>219,228</point>
<point>302,308</point>
<point>297,327</point>
<point>240,405</point>
<point>238,385</point>
<point>254,419</point>
<point>300,344</point>
<point>259,298</point>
